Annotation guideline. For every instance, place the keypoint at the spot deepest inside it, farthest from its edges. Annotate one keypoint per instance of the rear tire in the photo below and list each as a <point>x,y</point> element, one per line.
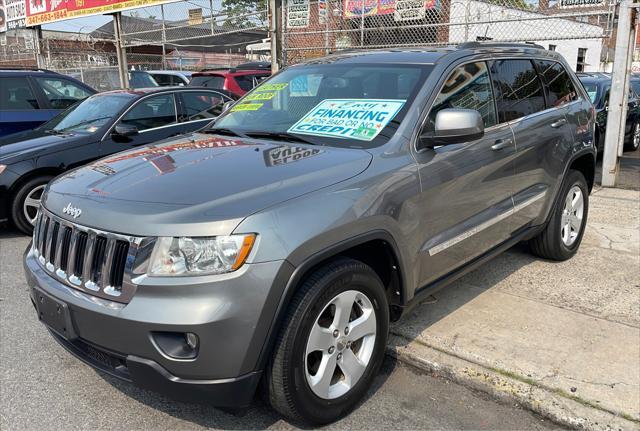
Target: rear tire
<point>26,203</point>
<point>319,372</point>
<point>562,235</point>
<point>634,143</point>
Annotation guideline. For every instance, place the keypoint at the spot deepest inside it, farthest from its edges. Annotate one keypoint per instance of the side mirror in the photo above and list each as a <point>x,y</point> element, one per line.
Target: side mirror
<point>125,130</point>
<point>454,126</point>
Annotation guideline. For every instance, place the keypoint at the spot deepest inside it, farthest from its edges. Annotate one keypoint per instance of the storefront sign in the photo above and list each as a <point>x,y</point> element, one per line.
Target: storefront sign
<point>297,13</point>
<point>45,11</point>
<point>12,14</point>
<point>580,3</point>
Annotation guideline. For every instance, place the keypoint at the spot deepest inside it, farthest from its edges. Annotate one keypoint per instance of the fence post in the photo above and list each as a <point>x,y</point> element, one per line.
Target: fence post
<point>120,50</point>
<point>40,61</point>
<point>617,115</point>
<point>164,38</point>
<point>275,33</point>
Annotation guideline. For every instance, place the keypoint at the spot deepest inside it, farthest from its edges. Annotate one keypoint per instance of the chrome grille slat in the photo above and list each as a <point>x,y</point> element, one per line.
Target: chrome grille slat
<point>96,262</point>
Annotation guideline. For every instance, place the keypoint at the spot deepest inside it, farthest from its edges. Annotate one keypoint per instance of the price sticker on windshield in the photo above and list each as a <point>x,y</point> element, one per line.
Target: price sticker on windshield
<point>361,119</point>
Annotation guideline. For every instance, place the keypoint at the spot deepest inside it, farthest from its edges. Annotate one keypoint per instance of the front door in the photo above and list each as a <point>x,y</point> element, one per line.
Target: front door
<point>154,117</point>
<point>466,188</point>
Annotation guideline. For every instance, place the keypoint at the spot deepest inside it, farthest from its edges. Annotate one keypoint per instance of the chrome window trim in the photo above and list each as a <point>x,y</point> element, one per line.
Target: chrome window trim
<point>484,225</point>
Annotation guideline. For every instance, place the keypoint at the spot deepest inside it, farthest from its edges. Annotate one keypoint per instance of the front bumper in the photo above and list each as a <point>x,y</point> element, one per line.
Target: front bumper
<point>231,314</point>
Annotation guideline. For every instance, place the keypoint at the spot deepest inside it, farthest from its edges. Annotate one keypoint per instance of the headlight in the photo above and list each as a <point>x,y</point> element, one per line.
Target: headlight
<point>199,255</point>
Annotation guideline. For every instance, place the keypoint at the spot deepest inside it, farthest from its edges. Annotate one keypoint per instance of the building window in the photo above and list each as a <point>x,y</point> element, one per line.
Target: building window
<point>552,47</point>
<point>582,56</point>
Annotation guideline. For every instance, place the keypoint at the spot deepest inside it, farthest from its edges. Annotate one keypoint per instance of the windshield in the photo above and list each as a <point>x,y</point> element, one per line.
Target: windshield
<point>89,115</point>
<point>354,105</point>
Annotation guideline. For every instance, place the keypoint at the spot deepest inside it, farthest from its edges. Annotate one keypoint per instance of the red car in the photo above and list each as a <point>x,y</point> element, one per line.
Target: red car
<point>236,80</point>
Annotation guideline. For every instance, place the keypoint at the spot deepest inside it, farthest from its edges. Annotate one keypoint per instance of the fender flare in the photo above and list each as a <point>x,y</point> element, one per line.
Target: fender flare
<point>296,271</point>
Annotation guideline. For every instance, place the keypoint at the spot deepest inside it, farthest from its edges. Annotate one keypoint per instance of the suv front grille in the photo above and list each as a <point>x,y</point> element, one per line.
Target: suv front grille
<point>87,259</point>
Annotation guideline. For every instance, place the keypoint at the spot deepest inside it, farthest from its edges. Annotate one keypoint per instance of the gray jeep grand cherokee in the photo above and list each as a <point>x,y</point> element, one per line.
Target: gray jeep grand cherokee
<point>276,246</point>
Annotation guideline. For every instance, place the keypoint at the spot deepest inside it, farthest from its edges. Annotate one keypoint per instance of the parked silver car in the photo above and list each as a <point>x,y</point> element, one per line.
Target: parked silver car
<point>278,244</point>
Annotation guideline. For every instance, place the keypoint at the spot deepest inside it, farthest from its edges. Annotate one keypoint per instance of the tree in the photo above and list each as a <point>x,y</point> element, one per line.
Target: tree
<point>245,13</point>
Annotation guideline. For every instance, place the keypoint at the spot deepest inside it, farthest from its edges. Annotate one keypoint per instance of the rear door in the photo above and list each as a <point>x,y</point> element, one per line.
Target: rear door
<point>20,108</point>
<point>466,200</point>
<point>542,136</point>
<point>155,117</point>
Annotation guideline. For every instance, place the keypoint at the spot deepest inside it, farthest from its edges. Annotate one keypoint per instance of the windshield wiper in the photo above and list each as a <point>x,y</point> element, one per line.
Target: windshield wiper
<point>223,131</point>
<point>280,136</point>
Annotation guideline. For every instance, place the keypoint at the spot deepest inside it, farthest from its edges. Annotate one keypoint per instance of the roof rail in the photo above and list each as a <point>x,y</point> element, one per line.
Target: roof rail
<point>492,44</point>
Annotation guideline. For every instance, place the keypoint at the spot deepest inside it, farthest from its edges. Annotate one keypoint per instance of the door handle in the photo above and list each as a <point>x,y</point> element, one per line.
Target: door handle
<point>501,143</point>
<point>561,122</point>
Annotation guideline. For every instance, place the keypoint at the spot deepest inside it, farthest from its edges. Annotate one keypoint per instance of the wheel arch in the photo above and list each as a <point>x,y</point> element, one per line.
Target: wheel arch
<point>377,249</point>
<point>584,163</point>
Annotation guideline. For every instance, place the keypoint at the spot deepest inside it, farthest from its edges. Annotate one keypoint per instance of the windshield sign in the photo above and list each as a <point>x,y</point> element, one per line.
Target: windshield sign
<point>348,118</point>
<point>343,105</point>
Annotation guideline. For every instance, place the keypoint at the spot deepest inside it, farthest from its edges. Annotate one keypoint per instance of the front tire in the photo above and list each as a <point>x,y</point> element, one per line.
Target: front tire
<point>331,344</point>
<point>26,203</point>
<point>634,143</point>
<point>562,236</point>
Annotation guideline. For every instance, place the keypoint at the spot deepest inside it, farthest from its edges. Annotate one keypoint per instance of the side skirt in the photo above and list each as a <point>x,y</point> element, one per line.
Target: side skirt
<point>428,290</point>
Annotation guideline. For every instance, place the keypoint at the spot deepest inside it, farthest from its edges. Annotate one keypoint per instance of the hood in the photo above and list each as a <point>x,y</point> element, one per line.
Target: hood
<point>22,143</point>
<point>198,184</point>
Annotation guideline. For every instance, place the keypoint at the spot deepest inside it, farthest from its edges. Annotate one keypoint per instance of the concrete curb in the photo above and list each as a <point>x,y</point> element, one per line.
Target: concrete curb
<point>564,409</point>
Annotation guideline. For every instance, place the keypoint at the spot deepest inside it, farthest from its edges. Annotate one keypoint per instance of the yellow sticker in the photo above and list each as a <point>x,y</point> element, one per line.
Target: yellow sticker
<point>261,96</point>
<point>273,87</point>
<point>247,107</point>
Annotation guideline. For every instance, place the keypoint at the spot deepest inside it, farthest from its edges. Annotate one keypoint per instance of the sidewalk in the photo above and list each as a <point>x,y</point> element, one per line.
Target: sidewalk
<point>562,339</point>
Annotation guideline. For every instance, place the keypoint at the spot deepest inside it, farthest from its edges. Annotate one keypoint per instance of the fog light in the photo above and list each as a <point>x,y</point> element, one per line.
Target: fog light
<point>192,340</point>
<point>177,345</point>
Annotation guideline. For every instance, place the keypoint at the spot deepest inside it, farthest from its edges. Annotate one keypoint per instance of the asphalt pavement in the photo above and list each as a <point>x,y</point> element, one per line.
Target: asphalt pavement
<point>44,387</point>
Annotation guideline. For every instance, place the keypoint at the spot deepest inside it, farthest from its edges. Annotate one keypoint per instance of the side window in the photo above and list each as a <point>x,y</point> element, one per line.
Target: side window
<point>202,105</point>
<point>468,87</point>
<point>16,94</point>
<point>518,89</point>
<point>246,82</point>
<point>152,112</point>
<point>560,88</point>
<point>163,79</point>
<point>61,93</point>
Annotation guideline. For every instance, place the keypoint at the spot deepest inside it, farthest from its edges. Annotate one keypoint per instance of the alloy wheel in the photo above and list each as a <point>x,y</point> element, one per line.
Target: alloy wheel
<point>636,137</point>
<point>31,204</point>
<point>340,344</point>
<point>572,213</point>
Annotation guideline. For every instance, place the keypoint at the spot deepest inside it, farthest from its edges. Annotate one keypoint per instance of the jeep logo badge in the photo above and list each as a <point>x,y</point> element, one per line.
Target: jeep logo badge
<point>72,211</point>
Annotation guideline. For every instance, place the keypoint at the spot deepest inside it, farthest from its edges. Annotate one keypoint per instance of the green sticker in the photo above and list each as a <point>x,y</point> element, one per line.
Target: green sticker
<point>272,87</point>
<point>261,96</point>
<point>247,107</point>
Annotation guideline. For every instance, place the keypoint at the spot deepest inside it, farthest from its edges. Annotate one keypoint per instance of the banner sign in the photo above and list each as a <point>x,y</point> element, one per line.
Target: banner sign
<point>45,11</point>
<point>297,13</point>
<point>12,14</point>
<point>360,119</point>
<point>403,10</point>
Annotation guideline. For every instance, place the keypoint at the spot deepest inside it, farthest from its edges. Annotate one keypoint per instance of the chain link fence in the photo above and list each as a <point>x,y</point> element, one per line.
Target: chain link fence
<point>315,28</point>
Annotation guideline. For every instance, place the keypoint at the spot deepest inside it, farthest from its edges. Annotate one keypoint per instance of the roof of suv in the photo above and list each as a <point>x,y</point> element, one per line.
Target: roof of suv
<point>26,71</point>
<point>430,55</point>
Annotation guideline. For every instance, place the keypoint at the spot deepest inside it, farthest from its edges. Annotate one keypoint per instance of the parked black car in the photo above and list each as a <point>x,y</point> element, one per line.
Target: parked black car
<point>100,125</point>
<point>598,86</point>
<point>30,97</point>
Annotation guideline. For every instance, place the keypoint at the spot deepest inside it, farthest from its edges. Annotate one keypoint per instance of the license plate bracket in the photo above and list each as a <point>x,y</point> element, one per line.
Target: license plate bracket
<point>54,314</point>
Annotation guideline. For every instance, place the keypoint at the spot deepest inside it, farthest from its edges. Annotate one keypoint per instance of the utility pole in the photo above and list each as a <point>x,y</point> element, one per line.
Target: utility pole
<point>618,98</point>
<point>120,50</point>
<point>275,33</point>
